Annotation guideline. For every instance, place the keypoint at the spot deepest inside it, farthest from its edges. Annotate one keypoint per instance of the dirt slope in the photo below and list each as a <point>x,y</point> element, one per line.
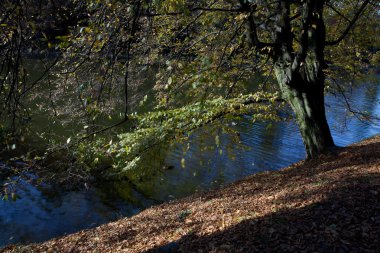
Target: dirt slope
<point>329,205</point>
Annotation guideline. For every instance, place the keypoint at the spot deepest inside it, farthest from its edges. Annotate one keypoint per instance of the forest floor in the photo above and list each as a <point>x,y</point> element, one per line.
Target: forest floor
<point>330,204</point>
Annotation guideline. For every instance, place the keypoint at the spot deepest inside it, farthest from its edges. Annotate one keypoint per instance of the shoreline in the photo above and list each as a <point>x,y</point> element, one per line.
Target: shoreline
<point>327,204</point>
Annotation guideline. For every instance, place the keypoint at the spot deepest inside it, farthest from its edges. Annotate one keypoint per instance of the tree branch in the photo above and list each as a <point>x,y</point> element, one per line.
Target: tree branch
<point>304,37</point>
<point>194,9</point>
<point>338,12</point>
<point>251,26</point>
<point>350,25</point>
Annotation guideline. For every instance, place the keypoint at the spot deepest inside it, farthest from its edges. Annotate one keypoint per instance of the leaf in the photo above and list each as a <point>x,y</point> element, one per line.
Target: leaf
<point>217,141</point>
<point>14,196</point>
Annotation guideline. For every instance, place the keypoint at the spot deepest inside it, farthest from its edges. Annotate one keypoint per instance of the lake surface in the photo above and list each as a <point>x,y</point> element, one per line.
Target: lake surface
<point>42,213</point>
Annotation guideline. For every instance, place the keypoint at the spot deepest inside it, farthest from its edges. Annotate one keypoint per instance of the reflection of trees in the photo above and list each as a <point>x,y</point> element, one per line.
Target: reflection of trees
<point>149,172</point>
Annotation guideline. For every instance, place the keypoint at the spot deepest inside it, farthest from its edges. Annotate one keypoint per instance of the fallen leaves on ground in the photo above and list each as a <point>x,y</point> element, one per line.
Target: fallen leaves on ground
<point>330,204</point>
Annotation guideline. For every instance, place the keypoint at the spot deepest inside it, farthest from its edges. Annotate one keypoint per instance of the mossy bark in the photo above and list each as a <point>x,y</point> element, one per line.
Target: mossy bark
<point>304,91</point>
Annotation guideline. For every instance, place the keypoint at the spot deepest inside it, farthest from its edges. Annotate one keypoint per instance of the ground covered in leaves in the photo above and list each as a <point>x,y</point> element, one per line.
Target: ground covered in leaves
<point>331,204</point>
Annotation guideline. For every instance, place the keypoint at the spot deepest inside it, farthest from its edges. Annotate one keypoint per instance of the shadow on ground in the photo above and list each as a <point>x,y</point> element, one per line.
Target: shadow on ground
<point>327,205</point>
<point>347,220</point>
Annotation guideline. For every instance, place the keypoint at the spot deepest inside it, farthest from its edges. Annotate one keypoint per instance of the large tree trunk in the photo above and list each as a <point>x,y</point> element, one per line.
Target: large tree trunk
<point>305,94</point>
<point>299,65</point>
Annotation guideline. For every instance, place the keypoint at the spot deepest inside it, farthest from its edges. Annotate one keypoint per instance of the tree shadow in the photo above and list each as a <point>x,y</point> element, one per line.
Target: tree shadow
<point>346,220</point>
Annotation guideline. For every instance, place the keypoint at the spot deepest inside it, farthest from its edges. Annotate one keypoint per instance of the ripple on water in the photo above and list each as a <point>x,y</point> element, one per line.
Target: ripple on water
<point>39,216</point>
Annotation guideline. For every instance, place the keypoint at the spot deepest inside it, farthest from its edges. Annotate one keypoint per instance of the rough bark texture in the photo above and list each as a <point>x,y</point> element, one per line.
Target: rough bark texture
<point>300,73</point>
<point>307,101</point>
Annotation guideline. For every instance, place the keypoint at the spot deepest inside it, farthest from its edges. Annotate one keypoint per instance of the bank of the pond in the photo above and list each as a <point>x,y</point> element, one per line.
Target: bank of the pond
<point>328,205</point>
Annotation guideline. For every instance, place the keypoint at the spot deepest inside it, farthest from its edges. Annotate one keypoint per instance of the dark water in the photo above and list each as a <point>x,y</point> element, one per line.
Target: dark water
<point>42,213</point>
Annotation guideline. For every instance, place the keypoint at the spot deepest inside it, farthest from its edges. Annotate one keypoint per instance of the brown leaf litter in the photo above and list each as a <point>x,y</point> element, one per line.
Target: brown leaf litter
<point>331,204</point>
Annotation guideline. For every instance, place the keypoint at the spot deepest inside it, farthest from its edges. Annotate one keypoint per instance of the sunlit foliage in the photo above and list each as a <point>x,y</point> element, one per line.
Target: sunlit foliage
<point>169,67</point>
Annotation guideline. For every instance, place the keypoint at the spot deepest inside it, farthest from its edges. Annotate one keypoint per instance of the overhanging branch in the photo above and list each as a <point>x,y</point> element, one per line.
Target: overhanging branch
<point>350,25</point>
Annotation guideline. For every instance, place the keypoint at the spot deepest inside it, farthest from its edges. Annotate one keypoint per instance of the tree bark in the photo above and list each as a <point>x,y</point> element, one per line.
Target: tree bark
<point>299,72</point>
<point>305,95</point>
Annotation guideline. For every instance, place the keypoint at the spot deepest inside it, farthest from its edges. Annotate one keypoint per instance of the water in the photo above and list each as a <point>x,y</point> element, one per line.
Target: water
<point>43,213</point>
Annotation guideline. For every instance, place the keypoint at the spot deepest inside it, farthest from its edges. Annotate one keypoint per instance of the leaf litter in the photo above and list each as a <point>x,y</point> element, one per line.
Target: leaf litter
<point>329,204</point>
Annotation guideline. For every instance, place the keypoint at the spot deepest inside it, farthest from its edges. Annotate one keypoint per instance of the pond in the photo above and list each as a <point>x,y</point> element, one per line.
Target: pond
<point>42,212</point>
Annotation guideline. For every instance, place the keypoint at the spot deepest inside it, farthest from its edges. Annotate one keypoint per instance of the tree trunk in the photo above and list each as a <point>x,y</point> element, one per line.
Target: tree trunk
<point>305,94</point>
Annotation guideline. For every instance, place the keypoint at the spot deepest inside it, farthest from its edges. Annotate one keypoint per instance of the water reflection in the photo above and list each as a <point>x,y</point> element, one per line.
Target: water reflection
<point>41,214</point>
<point>37,216</point>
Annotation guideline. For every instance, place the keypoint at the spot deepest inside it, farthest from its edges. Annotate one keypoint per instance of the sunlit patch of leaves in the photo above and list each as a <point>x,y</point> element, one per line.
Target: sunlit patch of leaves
<point>176,125</point>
